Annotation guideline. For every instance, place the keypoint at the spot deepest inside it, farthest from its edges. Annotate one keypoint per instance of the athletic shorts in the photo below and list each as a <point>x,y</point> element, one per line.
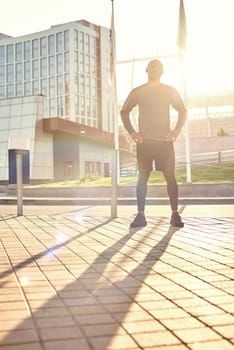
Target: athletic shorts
<point>155,155</point>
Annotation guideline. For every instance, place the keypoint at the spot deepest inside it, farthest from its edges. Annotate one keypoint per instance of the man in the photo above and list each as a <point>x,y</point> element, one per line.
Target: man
<point>154,139</point>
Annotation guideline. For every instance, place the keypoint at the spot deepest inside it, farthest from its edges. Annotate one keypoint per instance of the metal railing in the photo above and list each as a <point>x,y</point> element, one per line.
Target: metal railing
<point>197,159</point>
<point>206,158</point>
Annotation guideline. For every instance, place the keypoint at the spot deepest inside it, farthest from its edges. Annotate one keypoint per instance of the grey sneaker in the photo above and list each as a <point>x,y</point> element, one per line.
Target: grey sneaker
<point>139,221</point>
<point>176,220</point>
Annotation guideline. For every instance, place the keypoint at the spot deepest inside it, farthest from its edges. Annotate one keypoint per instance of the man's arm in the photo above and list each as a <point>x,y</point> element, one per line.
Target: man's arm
<point>128,105</point>
<point>178,104</point>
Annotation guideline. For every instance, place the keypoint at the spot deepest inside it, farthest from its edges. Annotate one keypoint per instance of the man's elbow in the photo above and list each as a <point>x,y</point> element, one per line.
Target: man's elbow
<point>124,114</point>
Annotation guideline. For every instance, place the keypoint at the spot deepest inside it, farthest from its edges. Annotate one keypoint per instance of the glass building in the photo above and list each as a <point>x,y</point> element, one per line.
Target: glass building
<point>55,90</point>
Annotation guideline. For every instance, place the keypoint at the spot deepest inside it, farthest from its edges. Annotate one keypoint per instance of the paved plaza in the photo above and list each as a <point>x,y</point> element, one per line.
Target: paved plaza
<point>72,278</point>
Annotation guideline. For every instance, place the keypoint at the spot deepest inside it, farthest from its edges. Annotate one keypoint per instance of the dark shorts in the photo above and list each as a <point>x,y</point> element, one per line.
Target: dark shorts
<point>155,155</point>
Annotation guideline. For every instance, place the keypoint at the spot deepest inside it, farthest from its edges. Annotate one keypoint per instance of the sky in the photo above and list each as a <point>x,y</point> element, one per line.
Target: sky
<point>144,28</point>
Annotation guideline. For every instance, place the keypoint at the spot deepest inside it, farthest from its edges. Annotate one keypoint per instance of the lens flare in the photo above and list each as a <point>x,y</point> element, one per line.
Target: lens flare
<point>24,281</point>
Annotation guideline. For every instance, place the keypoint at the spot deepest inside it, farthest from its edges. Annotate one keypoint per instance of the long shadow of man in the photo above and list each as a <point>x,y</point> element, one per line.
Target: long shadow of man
<point>97,307</point>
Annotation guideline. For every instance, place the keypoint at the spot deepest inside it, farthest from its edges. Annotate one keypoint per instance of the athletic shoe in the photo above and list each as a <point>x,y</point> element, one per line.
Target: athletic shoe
<point>139,221</point>
<point>176,220</point>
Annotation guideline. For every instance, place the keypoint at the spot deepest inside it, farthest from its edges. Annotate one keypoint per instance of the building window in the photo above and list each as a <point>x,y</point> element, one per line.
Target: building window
<point>81,63</point>
<point>92,46</point>
<point>66,40</point>
<point>76,83</point>
<point>2,74</point>
<point>82,106</point>
<point>77,105</point>
<point>59,42</point>
<point>81,41</point>
<point>93,87</point>
<point>67,83</point>
<point>27,50</point>
<point>76,39</point>
<point>60,106</point>
<point>10,73</point>
<point>10,90</point>
<point>2,92</point>
<point>87,49</point>
<point>87,64</point>
<point>82,84</point>
<point>43,67</point>
<point>59,85</point>
<point>27,89</point>
<point>19,90</point>
<point>35,69</point>
<point>59,63</point>
<point>35,48</point>
<point>51,44</point>
<point>51,65</point>
<point>18,52</point>
<point>92,168</point>
<point>2,54</point>
<point>9,52</point>
<point>66,62</point>
<point>19,72</point>
<point>35,87</point>
<point>51,87</point>
<point>88,87</point>
<point>94,108</point>
<point>52,107</point>
<point>67,105</point>
<point>43,46</point>
<point>88,106</point>
<point>93,69</point>
<point>27,70</point>
<point>44,87</point>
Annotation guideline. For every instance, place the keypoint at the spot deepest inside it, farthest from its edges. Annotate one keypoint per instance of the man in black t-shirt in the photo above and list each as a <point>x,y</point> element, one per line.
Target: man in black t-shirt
<point>154,137</point>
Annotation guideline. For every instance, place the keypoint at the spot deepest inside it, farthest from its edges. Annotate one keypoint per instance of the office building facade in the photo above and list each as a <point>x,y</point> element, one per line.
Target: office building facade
<point>55,91</point>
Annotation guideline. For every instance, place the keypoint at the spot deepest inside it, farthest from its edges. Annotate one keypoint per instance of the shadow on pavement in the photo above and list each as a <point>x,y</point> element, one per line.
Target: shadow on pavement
<point>97,303</point>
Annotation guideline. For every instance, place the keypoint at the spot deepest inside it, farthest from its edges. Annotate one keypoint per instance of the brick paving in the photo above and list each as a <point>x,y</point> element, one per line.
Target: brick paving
<point>72,280</point>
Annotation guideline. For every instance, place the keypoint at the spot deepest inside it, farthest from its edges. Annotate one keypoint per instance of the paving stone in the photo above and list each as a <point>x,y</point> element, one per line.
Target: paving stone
<point>93,284</point>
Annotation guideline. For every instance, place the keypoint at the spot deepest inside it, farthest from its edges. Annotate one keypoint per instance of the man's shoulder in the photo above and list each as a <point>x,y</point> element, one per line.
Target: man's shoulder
<point>167,87</point>
<point>140,87</point>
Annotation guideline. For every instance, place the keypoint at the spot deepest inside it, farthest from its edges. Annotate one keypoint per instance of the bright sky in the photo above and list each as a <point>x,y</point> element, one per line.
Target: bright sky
<point>144,28</point>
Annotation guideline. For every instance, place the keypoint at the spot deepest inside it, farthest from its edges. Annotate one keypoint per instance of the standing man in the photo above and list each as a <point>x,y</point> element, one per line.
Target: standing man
<point>154,139</point>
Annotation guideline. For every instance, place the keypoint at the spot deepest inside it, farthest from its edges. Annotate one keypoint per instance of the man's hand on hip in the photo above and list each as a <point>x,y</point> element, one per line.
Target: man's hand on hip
<point>136,136</point>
